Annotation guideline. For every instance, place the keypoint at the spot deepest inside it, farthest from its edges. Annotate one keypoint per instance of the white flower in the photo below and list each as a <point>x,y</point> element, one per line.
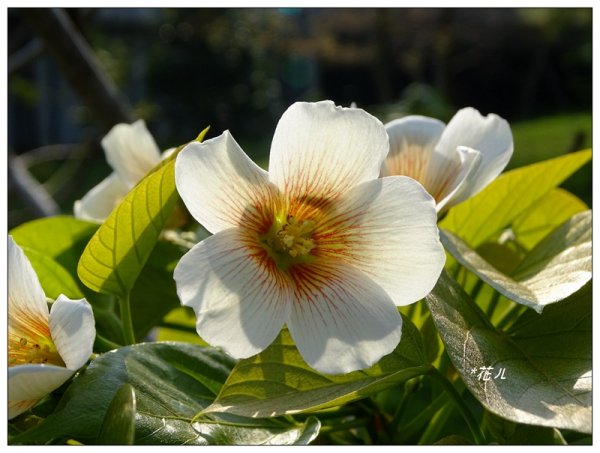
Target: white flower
<point>452,162</point>
<point>131,152</point>
<point>319,242</point>
<point>44,348</point>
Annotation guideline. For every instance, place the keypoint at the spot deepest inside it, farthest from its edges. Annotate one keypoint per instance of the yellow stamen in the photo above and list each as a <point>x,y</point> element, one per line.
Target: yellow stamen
<point>289,241</point>
<point>295,237</point>
<point>24,352</point>
<point>30,342</point>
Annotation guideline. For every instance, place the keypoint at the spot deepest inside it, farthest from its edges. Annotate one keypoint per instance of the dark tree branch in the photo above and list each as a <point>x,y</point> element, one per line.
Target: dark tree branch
<point>79,65</point>
<point>25,55</point>
<point>59,151</point>
<point>30,190</point>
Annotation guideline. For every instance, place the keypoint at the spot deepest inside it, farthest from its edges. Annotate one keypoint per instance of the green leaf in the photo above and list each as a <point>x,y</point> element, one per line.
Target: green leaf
<point>226,431</point>
<point>557,267</point>
<point>154,293</point>
<point>54,278</point>
<point>546,358</point>
<point>181,323</point>
<point>172,382</point>
<point>508,197</point>
<point>53,245</point>
<point>61,238</point>
<point>118,251</point>
<point>549,212</point>
<point>118,427</point>
<point>278,381</point>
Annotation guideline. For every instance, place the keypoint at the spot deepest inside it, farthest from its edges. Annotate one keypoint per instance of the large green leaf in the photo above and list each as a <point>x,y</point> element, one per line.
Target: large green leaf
<point>278,381</point>
<point>545,216</point>
<point>53,246</point>
<point>118,251</point>
<point>172,382</point>
<point>53,277</point>
<point>61,238</point>
<point>546,358</point>
<point>557,267</point>
<point>508,197</point>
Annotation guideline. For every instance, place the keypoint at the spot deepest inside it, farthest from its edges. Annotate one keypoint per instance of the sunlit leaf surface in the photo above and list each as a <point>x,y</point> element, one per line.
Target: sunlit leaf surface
<point>547,359</point>
<point>278,381</point>
<point>557,267</point>
<point>541,219</point>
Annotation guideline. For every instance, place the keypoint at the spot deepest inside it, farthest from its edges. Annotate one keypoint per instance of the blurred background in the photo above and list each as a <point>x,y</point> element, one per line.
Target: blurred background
<point>74,73</point>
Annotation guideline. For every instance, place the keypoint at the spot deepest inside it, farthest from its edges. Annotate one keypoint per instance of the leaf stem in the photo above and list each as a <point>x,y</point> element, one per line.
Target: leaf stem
<point>435,425</point>
<point>461,406</point>
<point>510,315</point>
<point>493,304</point>
<point>476,289</point>
<point>423,418</point>
<point>344,425</point>
<point>176,326</point>
<point>409,387</point>
<point>126,321</point>
<point>104,344</point>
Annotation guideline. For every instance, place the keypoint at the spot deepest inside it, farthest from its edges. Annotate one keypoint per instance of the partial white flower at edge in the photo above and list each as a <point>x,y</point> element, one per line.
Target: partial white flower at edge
<point>45,348</point>
<point>131,152</point>
<point>453,162</point>
<point>319,242</point>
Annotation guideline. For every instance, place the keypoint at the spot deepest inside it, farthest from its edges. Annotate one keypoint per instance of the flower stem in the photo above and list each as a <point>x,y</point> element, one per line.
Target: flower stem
<point>126,321</point>
<point>461,406</point>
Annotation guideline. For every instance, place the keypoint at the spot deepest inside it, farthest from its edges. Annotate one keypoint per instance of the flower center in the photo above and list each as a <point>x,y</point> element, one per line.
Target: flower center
<point>289,241</point>
<point>24,351</point>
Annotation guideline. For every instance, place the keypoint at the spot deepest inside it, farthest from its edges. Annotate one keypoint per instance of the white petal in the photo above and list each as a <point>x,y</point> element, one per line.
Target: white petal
<point>25,294</point>
<point>320,150</point>
<point>387,229</point>
<point>222,187</point>
<point>240,298</point>
<point>341,320</point>
<point>98,203</point>
<point>468,163</point>
<point>131,151</point>
<point>29,382</point>
<point>18,407</point>
<point>412,141</point>
<point>73,331</point>
<point>489,135</point>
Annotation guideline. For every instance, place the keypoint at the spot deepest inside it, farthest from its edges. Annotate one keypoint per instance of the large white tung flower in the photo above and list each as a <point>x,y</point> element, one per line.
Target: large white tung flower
<point>452,162</point>
<point>131,152</point>
<point>44,348</point>
<point>318,242</point>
